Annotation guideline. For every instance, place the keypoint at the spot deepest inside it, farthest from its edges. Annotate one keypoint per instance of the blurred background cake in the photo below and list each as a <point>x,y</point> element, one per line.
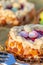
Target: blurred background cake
<point>22,9</point>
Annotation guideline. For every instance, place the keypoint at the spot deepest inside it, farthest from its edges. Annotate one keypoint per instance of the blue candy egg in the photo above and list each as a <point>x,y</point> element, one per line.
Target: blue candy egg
<point>14,9</point>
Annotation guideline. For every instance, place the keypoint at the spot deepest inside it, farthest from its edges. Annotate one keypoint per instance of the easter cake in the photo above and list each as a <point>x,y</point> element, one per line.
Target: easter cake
<point>20,11</point>
<point>26,41</point>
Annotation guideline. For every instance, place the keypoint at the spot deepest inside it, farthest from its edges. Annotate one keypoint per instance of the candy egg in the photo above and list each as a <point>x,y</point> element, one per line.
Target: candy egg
<point>24,34</point>
<point>41,15</point>
<point>41,18</point>
<point>22,6</point>
<point>41,32</point>
<point>14,9</point>
<point>9,7</point>
<point>33,34</point>
<point>41,22</point>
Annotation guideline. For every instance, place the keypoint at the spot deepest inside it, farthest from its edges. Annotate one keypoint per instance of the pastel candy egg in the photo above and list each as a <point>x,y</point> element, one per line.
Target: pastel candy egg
<point>41,15</point>
<point>22,6</point>
<point>24,34</point>
<point>41,32</point>
<point>9,7</point>
<point>33,34</point>
<point>14,9</point>
<point>41,22</point>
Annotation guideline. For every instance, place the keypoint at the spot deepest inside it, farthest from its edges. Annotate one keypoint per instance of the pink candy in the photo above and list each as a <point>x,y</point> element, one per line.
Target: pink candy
<point>24,34</point>
<point>40,31</point>
<point>33,34</point>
